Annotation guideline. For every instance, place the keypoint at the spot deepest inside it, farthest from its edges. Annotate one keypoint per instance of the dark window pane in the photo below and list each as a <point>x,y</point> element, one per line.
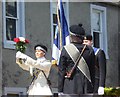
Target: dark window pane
<point>12,95</point>
<point>11,9</point>
<point>10,29</point>
<point>96,39</point>
<point>54,18</point>
<point>54,29</point>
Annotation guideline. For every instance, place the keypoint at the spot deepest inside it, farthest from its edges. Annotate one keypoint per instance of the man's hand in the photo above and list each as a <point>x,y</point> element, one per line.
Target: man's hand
<point>100,90</point>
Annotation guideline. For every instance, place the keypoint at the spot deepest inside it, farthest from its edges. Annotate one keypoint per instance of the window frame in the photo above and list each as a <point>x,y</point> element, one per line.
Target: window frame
<point>103,27</point>
<point>20,23</point>
<point>14,90</point>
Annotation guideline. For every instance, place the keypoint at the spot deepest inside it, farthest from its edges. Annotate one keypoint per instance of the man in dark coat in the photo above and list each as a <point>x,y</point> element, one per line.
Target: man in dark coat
<point>100,71</point>
<point>77,83</point>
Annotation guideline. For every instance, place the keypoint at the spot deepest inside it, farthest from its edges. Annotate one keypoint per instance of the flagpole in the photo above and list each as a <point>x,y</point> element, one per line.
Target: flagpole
<point>62,33</point>
<point>59,26</point>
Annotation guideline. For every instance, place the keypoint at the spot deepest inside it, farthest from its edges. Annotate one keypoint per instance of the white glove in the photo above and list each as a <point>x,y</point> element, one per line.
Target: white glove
<point>60,93</point>
<point>100,90</point>
<point>20,55</point>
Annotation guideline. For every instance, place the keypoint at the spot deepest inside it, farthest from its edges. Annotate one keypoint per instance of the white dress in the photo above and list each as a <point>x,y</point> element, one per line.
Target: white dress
<point>39,86</point>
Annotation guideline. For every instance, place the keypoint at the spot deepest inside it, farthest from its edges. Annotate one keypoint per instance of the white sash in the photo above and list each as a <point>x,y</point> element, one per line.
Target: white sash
<point>82,65</point>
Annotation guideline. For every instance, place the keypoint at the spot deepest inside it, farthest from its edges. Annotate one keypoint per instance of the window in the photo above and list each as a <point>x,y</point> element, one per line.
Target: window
<point>14,92</point>
<point>99,27</point>
<point>54,16</point>
<point>13,21</point>
<point>53,8</point>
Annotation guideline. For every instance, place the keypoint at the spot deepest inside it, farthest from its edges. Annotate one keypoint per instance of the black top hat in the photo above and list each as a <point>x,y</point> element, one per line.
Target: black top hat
<point>77,30</point>
<point>88,37</point>
<point>40,47</point>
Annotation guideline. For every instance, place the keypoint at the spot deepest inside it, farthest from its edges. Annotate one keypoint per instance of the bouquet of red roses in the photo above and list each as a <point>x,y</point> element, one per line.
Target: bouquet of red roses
<point>21,44</point>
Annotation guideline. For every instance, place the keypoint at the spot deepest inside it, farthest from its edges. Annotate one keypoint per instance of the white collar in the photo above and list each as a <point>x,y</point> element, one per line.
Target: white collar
<point>41,59</point>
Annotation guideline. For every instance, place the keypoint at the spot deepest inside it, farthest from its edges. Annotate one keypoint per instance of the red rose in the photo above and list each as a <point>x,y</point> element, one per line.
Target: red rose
<point>16,40</point>
<point>26,41</point>
<point>21,44</point>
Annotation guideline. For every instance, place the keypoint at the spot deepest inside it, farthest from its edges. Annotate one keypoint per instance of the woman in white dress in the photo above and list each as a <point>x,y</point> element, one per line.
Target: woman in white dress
<point>39,85</point>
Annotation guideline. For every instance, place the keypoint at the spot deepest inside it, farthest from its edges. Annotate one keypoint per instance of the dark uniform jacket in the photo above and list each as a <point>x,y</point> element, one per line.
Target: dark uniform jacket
<point>78,83</point>
<point>100,71</point>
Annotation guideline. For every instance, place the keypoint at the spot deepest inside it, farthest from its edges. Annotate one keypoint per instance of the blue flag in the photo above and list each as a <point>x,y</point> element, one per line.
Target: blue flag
<point>61,34</point>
